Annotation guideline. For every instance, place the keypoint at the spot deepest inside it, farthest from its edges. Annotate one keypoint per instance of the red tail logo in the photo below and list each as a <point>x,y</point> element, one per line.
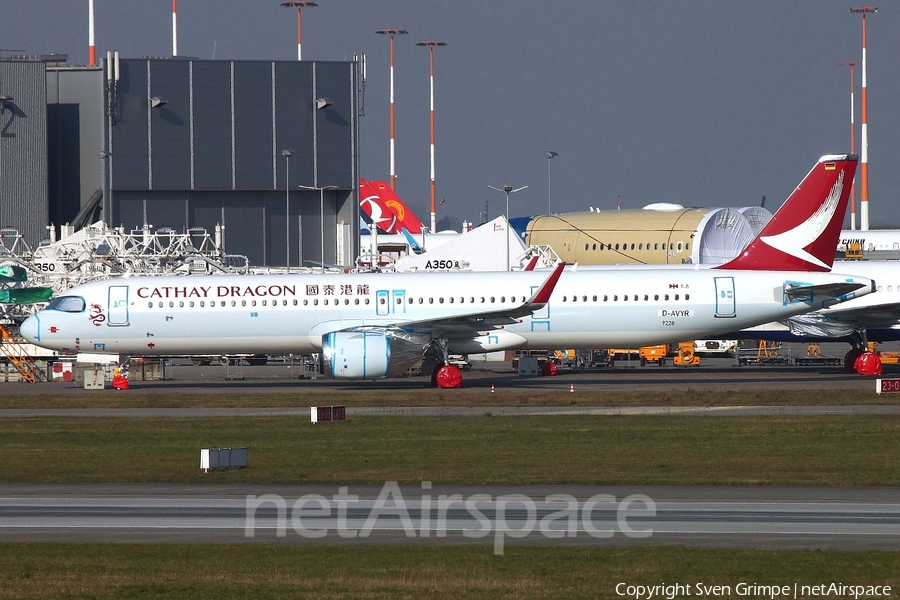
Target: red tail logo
<point>803,234</point>
<point>405,216</point>
<point>382,216</point>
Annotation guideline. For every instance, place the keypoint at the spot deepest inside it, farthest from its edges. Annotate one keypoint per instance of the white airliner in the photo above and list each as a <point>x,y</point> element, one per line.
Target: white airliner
<point>368,326</point>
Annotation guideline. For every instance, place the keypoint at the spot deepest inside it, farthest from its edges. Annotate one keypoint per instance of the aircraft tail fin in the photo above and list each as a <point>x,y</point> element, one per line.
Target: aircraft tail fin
<point>803,234</point>
<point>382,216</point>
<point>413,244</point>
<point>405,216</point>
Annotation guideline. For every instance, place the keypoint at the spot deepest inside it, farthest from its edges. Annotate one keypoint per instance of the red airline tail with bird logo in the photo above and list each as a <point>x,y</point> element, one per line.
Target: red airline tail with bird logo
<point>803,234</point>
<point>386,209</point>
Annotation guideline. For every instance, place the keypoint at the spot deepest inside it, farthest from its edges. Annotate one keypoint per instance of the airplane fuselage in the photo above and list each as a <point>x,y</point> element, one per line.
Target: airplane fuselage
<point>291,313</point>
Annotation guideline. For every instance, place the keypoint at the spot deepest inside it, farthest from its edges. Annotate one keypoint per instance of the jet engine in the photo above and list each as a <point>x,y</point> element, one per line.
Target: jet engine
<point>370,353</point>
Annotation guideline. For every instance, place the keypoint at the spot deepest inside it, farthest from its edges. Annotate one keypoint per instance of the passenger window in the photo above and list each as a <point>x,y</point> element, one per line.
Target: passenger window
<point>605,297</point>
<point>595,298</point>
<point>676,296</point>
<point>356,301</point>
<point>399,300</point>
<point>202,304</point>
<point>687,296</point>
<point>381,301</point>
<point>646,297</point>
<point>584,298</point>
<point>234,302</point>
<point>306,303</point>
<point>640,246</point>
<point>656,296</point>
<point>150,305</point>
<point>667,297</point>
<point>171,304</point>
<point>656,246</point>
<point>253,303</point>
<point>585,246</point>
<point>617,246</point>
<point>243,303</point>
<point>679,246</point>
<point>594,247</point>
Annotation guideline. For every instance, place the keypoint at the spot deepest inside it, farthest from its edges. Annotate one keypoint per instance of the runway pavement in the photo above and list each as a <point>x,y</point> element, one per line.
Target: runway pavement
<point>824,518</point>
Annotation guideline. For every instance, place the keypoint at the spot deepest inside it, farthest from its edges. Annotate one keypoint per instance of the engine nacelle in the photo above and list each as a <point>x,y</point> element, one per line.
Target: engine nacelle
<point>370,354</point>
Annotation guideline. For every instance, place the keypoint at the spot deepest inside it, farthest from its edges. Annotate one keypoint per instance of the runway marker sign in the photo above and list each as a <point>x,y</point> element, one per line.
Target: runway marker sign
<point>887,386</point>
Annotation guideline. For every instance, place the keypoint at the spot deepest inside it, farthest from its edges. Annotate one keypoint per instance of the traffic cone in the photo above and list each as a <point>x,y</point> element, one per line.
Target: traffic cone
<point>571,387</point>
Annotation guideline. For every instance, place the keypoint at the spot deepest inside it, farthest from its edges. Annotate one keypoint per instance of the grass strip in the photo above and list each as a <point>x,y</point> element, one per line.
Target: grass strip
<point>367,395</point>
<point>329,572</point>
<point>812,451</point>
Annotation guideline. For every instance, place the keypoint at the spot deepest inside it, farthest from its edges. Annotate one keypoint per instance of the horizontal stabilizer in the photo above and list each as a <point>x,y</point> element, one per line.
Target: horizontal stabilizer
<point>800,293</point>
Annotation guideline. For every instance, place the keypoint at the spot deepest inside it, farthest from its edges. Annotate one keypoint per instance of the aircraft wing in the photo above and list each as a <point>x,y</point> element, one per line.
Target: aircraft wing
<point>871,316</point>
<point>468,324</point>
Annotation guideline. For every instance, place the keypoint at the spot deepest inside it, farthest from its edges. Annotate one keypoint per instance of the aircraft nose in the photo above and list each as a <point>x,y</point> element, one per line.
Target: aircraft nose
<point>29,329</point>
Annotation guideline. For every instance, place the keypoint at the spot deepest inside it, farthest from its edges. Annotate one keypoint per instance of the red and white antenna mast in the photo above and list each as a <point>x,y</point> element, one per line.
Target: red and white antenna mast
<point>852,66</point>
<point>392,33</point>
<point>92,49</point>
<point>431,45</point>
<point>174,28</point>
<point>864,128</point>
<point>299,5</point>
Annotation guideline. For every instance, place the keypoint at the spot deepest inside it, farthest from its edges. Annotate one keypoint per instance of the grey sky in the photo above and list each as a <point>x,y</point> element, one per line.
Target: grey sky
<point>699,103</point>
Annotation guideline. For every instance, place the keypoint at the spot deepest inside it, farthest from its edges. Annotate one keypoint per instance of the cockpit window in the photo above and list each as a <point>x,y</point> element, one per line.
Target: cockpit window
<point>69,304</point>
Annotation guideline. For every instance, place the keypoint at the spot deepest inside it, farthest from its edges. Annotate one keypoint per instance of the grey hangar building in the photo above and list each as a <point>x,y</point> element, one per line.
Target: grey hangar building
<point>266,149</point>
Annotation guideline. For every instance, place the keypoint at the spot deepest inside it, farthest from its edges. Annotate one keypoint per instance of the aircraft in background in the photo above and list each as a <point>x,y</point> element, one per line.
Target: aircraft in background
<point>368,326</point>
<point>387,211</point>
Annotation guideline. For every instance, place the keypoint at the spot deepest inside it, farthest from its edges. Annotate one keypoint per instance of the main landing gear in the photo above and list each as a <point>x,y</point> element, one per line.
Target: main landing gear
<point>437,359</point>
<point>860,358</point>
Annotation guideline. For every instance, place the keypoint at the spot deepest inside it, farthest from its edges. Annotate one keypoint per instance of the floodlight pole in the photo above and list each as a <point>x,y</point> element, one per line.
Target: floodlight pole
<point>550,154</point>
<point>431,44</point>
<point>507,189</point>
<point>299,5</point>
<point>852,64</point>
<point>174,28</point>
<point>864,128</point>
<point>92,49</point>
<point>392,33</point>
<point>287,207</point>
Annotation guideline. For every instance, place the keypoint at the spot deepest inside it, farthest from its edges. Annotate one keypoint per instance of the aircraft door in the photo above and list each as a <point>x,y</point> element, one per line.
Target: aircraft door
<point>544,313</point>
<point>381,303</point>
<point>398,302</point>
<point>117,310</point>
<point>725,305</point>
